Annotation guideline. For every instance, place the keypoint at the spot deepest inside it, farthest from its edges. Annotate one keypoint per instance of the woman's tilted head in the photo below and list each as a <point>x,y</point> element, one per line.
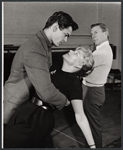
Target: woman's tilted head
<point>79,60</point>
<point>88,61</point>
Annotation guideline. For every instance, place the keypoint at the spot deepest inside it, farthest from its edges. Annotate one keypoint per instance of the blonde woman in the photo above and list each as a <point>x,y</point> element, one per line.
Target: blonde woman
<point>27,122</point>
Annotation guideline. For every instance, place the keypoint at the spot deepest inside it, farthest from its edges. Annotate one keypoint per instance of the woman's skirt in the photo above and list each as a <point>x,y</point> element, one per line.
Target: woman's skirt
<point>28,127</point>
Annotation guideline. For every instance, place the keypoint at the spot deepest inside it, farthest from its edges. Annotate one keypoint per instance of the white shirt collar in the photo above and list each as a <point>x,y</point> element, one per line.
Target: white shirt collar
<point>104,43</point>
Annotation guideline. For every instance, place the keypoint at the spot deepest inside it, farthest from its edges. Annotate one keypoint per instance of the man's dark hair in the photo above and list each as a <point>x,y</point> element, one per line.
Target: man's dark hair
<point>63,19</point>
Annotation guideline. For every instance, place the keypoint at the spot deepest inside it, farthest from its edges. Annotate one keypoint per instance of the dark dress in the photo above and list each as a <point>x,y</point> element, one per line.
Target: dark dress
<point>31,124</point>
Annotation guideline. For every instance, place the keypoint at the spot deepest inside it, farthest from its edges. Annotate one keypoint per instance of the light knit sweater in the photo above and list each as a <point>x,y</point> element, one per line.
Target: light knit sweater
<point>103,58</point>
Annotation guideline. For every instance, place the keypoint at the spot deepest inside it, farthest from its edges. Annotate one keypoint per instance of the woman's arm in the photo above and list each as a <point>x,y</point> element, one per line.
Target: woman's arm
<point>82,121</point>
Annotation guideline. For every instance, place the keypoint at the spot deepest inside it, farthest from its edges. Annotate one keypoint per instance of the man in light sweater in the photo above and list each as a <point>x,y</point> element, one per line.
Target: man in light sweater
<point>93,84</point>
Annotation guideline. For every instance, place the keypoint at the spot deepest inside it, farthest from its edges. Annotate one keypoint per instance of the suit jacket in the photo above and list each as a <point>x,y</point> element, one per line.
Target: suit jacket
<point>30,68</point>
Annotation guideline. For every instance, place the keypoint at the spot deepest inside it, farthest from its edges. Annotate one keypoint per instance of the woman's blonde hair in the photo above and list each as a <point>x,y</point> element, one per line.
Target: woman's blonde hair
<point>87,68</point>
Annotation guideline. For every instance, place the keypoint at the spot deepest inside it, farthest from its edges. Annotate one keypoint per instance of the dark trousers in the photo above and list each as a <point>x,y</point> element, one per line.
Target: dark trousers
<point>29,127</point>
<point>94,98</point>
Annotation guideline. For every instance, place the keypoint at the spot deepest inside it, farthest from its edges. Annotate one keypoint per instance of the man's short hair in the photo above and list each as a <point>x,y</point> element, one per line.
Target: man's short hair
<point>87,68</point>
<point>102,26</point>
<point>63,19</point>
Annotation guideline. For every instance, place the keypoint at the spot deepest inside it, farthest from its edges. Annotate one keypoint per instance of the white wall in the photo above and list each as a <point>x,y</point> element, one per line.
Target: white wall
<point>23,19</point>
<point>111,16</point>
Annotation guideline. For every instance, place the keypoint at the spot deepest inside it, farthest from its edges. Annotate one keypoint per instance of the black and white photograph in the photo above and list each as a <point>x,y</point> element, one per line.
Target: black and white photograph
<point>61,74</point>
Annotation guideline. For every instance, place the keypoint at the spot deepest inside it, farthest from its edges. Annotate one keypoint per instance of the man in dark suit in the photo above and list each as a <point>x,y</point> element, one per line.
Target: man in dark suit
<point>31,64</point>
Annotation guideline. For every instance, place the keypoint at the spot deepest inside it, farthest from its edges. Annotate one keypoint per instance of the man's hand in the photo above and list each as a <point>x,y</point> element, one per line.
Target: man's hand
<point>67,103</point>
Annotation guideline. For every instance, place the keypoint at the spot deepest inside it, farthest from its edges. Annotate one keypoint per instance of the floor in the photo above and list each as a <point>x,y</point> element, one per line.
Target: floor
<point>67,134</point>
